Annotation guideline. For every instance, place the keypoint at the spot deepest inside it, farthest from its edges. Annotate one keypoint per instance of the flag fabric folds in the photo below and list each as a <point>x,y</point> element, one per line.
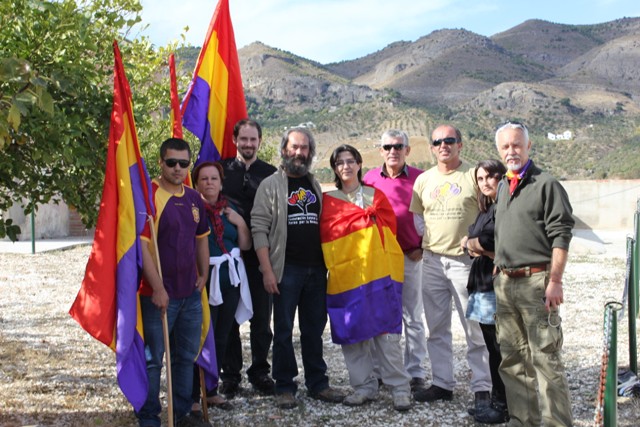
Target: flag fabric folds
<point>366,268</point>
<point>215,99</point>
<point>176,114</point>
<point>107,305</point>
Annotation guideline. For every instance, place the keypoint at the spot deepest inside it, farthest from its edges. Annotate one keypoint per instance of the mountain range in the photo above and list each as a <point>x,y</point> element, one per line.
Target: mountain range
<point>557,78</point>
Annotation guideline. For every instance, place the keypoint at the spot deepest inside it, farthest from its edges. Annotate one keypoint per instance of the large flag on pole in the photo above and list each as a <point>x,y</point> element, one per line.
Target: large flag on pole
<point>215,99</point>
<point>107,304</point>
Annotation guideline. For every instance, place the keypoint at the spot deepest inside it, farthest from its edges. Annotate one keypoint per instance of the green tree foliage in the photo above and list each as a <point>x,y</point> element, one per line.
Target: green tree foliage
<point>56,85</point>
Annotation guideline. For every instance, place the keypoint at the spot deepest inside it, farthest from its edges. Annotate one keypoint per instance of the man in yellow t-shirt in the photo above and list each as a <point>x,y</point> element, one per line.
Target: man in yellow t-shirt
<point>444,203</point>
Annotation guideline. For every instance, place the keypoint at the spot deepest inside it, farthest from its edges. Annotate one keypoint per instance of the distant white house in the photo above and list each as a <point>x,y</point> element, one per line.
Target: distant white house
<point>565,136</point>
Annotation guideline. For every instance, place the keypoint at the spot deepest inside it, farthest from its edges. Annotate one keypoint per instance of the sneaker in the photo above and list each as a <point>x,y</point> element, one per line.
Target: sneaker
<point>329,394</point>
<point>496,413</point>
<point>191,421</point>
<point>417,384</point>
<point>229,389</point>
<point>432,394</point>
<point>358,398</point>
<point>402,402</point>
<point>286,401</point>
<point>264,385</point>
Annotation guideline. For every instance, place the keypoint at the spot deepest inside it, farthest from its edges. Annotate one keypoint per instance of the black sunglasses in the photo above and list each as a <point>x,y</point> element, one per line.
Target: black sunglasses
<point>398,147</point>
<point>449,141</point>
<point>173,162</point>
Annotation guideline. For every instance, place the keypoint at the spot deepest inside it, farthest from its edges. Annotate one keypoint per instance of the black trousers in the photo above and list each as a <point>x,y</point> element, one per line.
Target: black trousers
<point>261,334</point>
<point>490,339</point>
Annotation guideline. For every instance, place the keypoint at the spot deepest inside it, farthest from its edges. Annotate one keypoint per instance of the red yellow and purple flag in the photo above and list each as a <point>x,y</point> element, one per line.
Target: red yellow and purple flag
<point>215,99</point>
<point>366,268</point>
<point>107,305</point>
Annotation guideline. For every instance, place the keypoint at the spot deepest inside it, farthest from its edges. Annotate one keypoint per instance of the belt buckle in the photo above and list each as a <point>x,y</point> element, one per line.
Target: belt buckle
<point>527,271</point>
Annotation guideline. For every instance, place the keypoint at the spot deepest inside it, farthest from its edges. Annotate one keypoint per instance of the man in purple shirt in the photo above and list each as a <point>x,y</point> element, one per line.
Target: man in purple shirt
<point>395,179</point>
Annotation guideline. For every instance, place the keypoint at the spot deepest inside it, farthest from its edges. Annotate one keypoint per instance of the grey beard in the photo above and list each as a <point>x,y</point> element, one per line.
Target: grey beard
<point>295,169</point>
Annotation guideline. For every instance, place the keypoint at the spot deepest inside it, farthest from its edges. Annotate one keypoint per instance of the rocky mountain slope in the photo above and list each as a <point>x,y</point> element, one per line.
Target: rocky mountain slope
<point>579,78</point>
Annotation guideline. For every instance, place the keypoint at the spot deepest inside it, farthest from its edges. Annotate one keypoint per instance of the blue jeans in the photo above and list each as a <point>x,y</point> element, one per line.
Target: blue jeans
<point>304,288</point>
<point>185,322</point>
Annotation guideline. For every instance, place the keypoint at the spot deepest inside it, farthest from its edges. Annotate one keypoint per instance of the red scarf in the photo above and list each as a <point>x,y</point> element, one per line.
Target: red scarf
<point>515,177</point>
<point>215,213</point>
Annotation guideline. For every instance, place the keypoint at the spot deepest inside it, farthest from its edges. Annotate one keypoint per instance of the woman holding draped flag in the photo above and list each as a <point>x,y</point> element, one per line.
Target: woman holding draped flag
<point>364,288</point>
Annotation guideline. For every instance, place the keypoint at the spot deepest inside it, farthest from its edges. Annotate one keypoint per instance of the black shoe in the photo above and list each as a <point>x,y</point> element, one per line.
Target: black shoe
<point>229,389</point>
<point>496,413</point>
<point>432,394</point>
<point>417,384</point>
<point>264,385</point>
<point>482,401</point>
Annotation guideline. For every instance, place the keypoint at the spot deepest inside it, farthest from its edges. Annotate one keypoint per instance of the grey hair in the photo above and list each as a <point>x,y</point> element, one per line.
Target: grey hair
<point>304,131</point>
<point>513,125</point>
<point>394,134</point>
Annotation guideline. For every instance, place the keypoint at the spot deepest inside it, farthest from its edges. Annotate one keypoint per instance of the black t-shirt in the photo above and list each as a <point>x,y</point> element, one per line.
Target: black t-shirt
<point>303,224</point>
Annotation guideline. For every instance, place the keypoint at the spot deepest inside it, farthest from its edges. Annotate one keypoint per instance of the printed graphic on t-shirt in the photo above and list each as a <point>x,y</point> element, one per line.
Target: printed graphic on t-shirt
<point>304,200</point>
<point>441,195</point>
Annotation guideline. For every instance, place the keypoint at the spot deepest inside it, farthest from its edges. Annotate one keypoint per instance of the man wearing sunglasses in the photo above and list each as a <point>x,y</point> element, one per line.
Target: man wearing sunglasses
<point>395,179</point>
<point>242,176</point>
<point>533,232</point>
<point>176,284</point>
<point>444,203</point>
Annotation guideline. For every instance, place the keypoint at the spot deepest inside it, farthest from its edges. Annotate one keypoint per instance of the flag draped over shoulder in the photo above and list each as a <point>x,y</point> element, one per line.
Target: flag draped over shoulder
<point>366,268</point>
<point>107,304</point>
<point>215,99</point>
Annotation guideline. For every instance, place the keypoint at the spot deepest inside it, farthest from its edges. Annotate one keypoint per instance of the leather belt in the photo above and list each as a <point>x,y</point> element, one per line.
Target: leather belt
<point>524,271</point>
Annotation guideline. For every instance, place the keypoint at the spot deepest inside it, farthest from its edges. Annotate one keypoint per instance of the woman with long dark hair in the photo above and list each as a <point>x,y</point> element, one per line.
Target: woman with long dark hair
<point>480,244</point>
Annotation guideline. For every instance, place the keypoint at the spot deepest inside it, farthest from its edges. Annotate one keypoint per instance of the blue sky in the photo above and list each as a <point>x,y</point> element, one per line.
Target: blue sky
<point>334,30</point>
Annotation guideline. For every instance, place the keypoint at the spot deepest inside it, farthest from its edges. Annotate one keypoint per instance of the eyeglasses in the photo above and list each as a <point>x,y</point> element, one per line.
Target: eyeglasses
<point>388,147</point>
<point>449,141</point>
<point>349,162</point>
<point>173,162</point>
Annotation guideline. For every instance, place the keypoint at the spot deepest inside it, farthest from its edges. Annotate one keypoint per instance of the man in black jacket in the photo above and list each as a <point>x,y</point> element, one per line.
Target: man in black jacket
<point>242,176</point>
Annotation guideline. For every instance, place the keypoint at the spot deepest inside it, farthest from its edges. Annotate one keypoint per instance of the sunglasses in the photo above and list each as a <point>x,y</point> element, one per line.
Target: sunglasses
<point>173,162</point>
<point>388,147</point>
<point>449,141</point>
<point>511,124</point>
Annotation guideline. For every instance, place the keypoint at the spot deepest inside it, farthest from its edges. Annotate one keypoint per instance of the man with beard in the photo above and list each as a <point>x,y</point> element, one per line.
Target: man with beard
<point>533,232</point>
<point>242,176</point>
<point>286,237</point>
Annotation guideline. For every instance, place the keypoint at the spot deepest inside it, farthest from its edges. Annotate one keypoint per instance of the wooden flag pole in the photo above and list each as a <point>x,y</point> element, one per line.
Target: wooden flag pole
<point>165,330</point>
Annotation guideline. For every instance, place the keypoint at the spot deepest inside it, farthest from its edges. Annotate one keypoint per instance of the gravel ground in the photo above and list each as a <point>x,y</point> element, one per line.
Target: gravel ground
<point>52,373</point>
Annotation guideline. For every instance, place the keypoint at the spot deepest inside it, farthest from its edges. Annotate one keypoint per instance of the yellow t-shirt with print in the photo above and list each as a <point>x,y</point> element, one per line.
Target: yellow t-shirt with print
<point>448,204</point>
